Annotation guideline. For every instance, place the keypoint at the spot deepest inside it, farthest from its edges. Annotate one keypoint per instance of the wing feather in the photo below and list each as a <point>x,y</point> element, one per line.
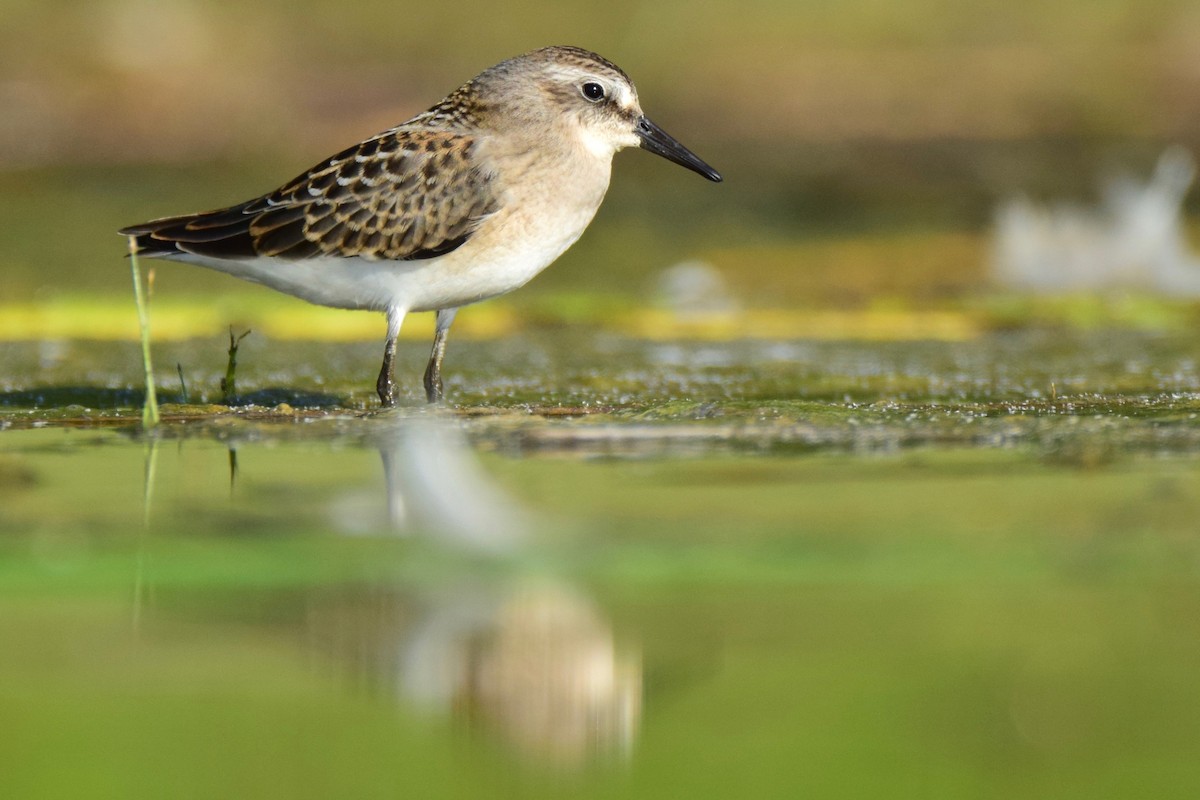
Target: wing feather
<point>409,193</point>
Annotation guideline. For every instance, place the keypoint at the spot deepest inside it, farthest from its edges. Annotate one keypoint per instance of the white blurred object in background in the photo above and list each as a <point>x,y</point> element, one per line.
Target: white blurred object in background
<point>695,289</point>
<point>1134,240</point>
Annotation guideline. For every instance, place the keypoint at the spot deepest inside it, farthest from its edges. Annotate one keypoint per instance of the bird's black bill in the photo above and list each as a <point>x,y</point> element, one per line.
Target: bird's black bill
<point>658,141</point>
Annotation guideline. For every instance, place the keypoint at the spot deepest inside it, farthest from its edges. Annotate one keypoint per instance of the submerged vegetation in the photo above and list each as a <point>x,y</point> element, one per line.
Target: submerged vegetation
<point>150,403</point>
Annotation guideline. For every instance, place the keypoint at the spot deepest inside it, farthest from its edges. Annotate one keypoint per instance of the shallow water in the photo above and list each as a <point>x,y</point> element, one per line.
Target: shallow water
<point>1102,393</point>
<point>832,569</point>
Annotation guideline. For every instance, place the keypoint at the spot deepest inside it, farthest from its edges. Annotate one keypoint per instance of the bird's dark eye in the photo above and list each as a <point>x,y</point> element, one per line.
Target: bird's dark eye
<point>593,91</point>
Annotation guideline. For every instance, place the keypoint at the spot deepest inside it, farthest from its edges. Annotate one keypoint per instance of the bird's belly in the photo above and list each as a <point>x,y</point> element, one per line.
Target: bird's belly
<point>488,265</point>
<point>505,253</point>
<point>447,281</point>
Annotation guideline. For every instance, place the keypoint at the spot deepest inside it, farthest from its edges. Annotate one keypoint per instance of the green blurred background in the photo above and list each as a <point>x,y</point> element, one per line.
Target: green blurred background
<point>865,144</point>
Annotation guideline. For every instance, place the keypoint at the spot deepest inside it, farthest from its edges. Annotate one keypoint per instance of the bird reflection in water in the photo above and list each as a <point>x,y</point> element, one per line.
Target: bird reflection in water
<point>531,662</point>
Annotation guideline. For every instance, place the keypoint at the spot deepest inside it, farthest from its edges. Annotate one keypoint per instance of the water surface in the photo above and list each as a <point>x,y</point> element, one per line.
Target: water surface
<point>759,569</point>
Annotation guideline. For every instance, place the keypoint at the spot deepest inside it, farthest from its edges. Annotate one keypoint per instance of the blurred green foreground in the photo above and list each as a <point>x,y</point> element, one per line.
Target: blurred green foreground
<point>925,624</point>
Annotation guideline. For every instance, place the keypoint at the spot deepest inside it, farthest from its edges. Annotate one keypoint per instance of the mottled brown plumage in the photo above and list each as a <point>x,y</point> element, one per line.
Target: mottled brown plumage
<point>409,193</point>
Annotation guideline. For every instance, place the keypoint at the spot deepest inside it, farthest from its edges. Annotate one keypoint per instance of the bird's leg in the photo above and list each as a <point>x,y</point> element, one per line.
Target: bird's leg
<point>433,372</point>
<point>385,385</point>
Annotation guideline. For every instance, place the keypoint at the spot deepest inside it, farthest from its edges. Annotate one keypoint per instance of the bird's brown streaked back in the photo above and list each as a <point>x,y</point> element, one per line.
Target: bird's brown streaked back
<point>406,194</point>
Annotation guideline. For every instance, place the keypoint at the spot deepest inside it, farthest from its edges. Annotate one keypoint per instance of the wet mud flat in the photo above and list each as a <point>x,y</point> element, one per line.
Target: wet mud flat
<point>1120,391</point>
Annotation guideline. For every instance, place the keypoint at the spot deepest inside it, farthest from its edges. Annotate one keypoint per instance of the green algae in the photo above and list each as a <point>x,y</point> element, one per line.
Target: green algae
<point>1139,392</point>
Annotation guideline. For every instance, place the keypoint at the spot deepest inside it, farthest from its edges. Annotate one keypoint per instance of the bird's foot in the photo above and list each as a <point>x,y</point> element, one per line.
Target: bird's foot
<point>386,388</point>
<point>433,385</point>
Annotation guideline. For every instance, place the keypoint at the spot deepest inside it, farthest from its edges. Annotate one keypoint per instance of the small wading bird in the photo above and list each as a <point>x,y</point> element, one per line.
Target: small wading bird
<point>463,202</point>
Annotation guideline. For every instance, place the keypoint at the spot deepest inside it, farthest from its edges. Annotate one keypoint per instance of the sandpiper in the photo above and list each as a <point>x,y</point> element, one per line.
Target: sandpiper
<point>461,203</point>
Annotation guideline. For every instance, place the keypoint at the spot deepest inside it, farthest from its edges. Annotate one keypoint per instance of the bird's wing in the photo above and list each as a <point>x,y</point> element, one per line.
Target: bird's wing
<point>406,194</point>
